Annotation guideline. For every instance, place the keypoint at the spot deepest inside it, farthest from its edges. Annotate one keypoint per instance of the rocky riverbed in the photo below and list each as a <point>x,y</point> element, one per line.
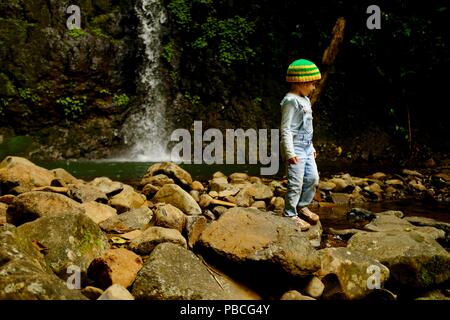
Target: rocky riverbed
<point>171,237</point>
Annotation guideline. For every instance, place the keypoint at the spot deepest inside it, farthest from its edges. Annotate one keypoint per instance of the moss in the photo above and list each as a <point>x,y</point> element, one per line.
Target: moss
<point>77,33</point>
<point>121,99</point>
<point>7,88</point>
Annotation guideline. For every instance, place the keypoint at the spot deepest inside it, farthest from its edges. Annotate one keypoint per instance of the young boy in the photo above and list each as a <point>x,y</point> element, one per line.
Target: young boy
<point>296,142</point>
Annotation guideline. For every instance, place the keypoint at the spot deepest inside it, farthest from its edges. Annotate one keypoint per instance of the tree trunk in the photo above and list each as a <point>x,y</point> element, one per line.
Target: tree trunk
<point>329,56</point>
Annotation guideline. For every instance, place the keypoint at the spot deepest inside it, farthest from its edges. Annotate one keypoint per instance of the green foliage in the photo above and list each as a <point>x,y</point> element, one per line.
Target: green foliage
<point>225,38</point>
<point>194,100</point>
<point>73,107</point>
<point>168,52</point>
<point>121,99</point>
<point>4,102</point>
<point>77,33</point>
<point>27,95</point>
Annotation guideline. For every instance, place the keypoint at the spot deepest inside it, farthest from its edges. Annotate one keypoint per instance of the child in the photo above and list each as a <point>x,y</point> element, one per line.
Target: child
<point>296,142</point>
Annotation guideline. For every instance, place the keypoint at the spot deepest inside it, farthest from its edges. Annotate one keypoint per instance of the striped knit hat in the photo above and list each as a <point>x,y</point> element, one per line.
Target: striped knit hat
<point>302,71</point>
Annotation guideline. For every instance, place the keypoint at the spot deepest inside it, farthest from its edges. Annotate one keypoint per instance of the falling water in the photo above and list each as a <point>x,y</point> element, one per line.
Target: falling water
<point>146,129</point>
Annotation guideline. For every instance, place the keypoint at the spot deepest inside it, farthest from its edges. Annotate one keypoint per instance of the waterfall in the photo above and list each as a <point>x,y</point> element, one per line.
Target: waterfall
<point>145,131</point>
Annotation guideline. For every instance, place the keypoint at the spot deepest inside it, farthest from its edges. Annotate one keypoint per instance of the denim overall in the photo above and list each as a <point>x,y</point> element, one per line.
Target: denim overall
<point>296,140</point>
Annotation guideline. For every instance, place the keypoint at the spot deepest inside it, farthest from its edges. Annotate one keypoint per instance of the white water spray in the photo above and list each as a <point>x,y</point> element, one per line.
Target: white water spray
<point>146,129</point>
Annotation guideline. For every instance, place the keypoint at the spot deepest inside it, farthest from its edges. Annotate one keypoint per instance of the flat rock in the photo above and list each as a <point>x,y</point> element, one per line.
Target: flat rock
<point>151,237</point>
<point>98,212</point>
<point>414,260</point>
<point>36,204</point>
<point>250,236</point>
<point>352,271</point>
<point>171,170</point>
<point>176,196</point>
<point>175,273</point>
<point>136,219</point>
<point>19,175</point>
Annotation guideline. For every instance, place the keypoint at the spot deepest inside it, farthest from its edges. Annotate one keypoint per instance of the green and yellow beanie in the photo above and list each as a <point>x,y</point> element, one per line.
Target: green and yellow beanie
<point>302,71</point>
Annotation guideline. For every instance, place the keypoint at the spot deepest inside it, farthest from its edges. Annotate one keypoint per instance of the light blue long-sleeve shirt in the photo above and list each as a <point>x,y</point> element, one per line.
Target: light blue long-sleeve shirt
<point>296,123</point>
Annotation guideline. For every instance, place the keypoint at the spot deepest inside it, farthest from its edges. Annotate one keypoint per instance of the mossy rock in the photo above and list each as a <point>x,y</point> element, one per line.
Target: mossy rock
<point>70,239</point>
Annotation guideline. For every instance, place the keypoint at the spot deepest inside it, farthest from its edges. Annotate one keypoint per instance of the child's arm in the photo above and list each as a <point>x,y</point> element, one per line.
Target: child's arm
<point>287,141</point>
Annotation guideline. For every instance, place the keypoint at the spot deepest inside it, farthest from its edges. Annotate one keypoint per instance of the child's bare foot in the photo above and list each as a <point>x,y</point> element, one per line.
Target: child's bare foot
<point>314,218</point>
<point>302,224</point>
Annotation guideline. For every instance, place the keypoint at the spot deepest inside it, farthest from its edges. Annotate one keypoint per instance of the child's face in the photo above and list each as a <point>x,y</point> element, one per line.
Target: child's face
<point>306,88</point>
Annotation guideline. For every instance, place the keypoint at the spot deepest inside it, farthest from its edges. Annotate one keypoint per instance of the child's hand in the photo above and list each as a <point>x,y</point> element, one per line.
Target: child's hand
<point>294,160</point>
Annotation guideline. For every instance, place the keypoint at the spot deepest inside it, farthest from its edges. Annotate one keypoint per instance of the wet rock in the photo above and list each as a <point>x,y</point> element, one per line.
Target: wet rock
<point>342,185</point>
<point>127,199</point>
<point>238,177</point>
<point>428,222</point>
<point>69,239</point>
<point>314,234</point>
<point>394,182</point>
<point>36,204</point>
<point>86,193</point>
<point>277,205</point>
<point>64,176</point>
<point>176,196</point>
<point>168,216</point>
<point>195,225</point>
<point>98,212</point>
<point>175,273</point>
<point>413,259</point>
<point>195,195</point>
<point>197,186</point>
<point>149,190</point>
<point>151,237</point>
<point>379,176</point>
<point>352,271</point>
<point>261,205</point>
<point>116,292</point>
<point>228,192</point>
<point>314,288</point>
<point>179,175</point>
<point>137,219</point>
<point>412,173</point>
<point>219,184</point>
<point>158,180</point>
<point>295,295</point>
<point>340,198</point>
<point>417,185</point>
<point>3,209</point>
<point>219,210</point>
<point>254,237</point>
<point>326,186</point>
<point>115,266</point>
<point>92,293</point>
<point>18,175</point>
<point>388,222</point>
<point>107,186</point>
<point>359,214</point>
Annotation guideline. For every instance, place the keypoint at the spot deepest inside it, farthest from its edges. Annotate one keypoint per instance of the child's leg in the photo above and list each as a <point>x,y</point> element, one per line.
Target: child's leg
<point>310,182</point>
<point>295,174</point>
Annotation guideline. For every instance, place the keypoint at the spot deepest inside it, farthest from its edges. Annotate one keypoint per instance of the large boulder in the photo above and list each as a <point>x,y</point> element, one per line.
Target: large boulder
<point>127,199</point>
<point>176,196</point>
<point>151,237</point>
<point>19,175</point>
<point>414,259</point>
<point>115,266</point>
<point>68,240</point>
<point>85,193</point>
<point>36,204</point>
<point>98,212</point>
<point>136,219</point>
<point>106,185</point>
<point>24,272</point>
<point>353,270</point>
<point>175,273</point>
<point>259,244</point>
<point>391,222</point>
<point>170,169</point>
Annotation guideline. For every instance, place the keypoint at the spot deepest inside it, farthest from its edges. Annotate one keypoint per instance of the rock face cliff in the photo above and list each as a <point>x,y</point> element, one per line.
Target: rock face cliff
<point>65,86</point>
